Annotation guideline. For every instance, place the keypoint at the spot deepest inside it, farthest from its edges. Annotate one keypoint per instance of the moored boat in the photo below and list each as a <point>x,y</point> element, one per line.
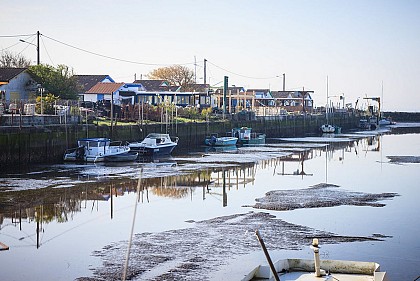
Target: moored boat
<point>95,150</point>
<point>154,144</point>
<point>246,136</point>
<point>315,269</point>
<point>385,122</point>
<point>214,140</point>
<point>327,128</point>
<point>330,129</point>
<point>371,123</point>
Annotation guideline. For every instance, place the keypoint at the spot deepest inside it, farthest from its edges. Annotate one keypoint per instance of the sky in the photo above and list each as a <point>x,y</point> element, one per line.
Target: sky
<point>360,48</point>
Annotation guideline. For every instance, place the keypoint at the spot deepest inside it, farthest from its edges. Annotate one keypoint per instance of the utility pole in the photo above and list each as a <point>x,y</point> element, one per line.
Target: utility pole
<point>284,82</point>
<point>37,47</point>
<point>225,89</point>
<point>205,65</point>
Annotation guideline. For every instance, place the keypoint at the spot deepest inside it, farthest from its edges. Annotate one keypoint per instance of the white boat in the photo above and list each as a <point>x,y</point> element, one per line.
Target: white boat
<point>385,122</point>
<point>327,128</point>
<point>154,144</point>
<point>95,150</point>
<point>373,123</point>
<point>315,269</point>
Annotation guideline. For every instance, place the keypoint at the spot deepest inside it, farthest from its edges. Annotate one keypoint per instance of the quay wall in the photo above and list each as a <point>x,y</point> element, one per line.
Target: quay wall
<point>402,116</point>
<point>22,146</point>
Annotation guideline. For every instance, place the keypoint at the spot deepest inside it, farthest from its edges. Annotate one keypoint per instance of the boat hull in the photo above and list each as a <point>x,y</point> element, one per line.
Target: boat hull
<point>258,140</point>
<point>222,141</point>
<point>154,150</point>
<point>124,157</point>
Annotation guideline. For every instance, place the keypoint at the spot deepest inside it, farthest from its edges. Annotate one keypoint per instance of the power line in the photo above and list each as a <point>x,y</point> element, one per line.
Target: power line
<point>28,37</point>
<point>21,35</point>
<point>231,72</point>
<point>130,61</point>
<point>108,57</point>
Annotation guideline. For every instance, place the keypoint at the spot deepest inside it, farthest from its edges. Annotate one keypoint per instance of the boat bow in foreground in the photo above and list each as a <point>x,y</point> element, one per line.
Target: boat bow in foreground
<point>316,269</point>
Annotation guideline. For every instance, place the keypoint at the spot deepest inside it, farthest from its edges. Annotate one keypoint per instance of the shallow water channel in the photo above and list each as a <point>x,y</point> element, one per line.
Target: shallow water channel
<point>193,215</point>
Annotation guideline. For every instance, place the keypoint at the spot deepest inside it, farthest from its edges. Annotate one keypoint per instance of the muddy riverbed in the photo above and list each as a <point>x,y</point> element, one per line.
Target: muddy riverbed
<point>193,253</point>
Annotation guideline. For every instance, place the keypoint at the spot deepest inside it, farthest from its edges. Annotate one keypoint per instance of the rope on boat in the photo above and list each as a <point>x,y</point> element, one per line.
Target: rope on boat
<point>127,257</point>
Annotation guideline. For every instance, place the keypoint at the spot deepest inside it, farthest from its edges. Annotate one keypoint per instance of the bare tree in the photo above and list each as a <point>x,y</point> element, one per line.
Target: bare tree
<point>9,59</point>
<point>176,75</point>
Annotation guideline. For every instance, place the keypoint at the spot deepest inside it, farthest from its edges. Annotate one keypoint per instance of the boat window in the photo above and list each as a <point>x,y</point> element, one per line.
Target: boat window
<point>102,143</point>
<point>93,144</point>
<point>82,143</point>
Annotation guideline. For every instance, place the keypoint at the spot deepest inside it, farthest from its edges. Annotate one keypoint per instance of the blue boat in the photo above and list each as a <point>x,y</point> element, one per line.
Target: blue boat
<point>214,140</point>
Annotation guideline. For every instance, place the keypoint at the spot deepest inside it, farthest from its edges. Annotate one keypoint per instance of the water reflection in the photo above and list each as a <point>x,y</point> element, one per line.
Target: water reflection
<point>66,205</point>
<point>165,177</point>
<point>300,158</point>
<point>84,186</point>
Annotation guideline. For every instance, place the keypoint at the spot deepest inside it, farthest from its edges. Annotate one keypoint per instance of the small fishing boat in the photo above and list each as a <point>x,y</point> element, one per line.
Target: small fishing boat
<point>315,269</point>
<point>330,129</point>
<point>327,128</point>
<point>154,144</point>
<point>95,150</point>
<point>214,140</point>
<point>372,123</point>
<point>246,136</point>
<point>124,157</point>
<point>385,122</point>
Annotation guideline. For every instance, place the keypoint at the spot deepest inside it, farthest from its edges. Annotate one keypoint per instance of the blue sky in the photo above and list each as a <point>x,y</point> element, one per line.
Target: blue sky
<point>358,44</point>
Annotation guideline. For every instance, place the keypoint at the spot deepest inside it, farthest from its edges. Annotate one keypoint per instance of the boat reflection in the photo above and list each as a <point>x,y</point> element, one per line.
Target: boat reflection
<point>221,149</point>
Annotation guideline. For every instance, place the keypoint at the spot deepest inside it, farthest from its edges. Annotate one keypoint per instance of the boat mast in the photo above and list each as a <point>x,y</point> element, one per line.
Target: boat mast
<point>326,107</point>
<point>382,100</point>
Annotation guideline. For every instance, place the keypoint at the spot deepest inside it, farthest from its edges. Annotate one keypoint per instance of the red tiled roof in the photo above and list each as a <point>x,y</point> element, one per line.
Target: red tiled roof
<point>104,88</point>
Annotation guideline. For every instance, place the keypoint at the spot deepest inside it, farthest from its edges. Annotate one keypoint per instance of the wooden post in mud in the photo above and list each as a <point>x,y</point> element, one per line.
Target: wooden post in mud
<point>273,270</point>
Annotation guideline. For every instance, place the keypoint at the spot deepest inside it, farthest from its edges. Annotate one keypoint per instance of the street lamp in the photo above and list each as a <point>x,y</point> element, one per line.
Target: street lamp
<point>41,91</point>
<point>37,46</point>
